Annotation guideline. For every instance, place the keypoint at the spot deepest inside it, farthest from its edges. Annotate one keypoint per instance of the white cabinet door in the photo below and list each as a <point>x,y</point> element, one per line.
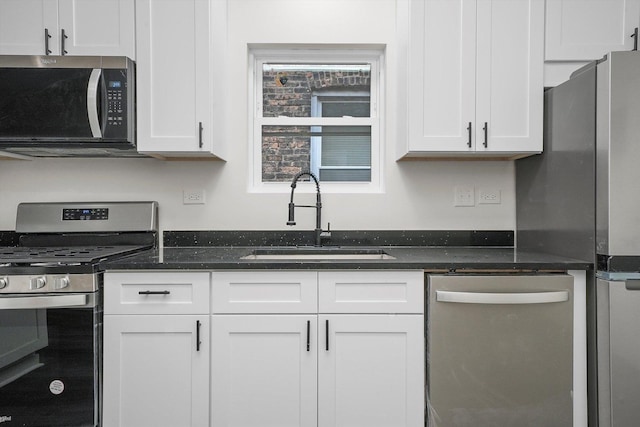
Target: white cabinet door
<point>509,85</point>
<point>579,30</point>
<point>371,371</point>
<point>91,27</point>
<point>23,24</point>
<point>173,57</point>
<point>98,27</point>
<point>441,83</point>
<point>176,99</point>
<point>264,371</point>
<point>155,372</point>
<point>474,83</point>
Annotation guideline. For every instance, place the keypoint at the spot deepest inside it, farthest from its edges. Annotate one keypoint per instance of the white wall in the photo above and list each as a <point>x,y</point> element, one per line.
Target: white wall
<point>418,194</point>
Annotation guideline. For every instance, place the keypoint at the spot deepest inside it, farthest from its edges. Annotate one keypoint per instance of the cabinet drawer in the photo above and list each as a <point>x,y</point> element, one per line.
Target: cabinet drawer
<point>156,293</point>
<point>381,291</point>
<point>264,292</point>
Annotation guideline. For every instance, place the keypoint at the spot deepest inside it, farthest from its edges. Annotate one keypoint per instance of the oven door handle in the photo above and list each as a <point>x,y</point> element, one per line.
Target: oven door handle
<point>17,303</point>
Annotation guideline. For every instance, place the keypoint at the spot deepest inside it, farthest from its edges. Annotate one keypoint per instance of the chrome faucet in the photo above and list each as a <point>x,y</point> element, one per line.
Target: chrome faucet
<point>319,234</point>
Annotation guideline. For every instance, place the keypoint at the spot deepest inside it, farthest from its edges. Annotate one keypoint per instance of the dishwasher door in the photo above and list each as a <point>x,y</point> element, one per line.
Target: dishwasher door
<point>500,350</point>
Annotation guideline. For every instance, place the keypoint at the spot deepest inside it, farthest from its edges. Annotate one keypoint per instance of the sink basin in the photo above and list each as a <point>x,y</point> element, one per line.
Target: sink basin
<point>315,253</point>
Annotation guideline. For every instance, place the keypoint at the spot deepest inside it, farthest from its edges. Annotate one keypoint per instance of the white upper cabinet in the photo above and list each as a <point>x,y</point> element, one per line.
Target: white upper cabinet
<point>474,81</point>
<point>178,53</point>
<point>23,24</point>
<point>579,31</point>
<point>67,27</point>
<point>98,27</point>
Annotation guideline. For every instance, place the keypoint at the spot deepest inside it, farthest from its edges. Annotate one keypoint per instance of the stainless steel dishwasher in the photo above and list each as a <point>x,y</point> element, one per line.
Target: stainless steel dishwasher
<point>499,350</point>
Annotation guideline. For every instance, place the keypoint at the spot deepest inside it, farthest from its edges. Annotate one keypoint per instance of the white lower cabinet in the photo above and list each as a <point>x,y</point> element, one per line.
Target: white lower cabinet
<point>371,371</point>
<point>263,371</point>
<point>361,365</point>
<point>321,348</point>
<point>157,355</point>
<point>155,373</point>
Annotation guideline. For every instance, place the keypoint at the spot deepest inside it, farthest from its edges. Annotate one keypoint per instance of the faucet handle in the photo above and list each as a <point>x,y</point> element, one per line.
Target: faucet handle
<point>326,234</point>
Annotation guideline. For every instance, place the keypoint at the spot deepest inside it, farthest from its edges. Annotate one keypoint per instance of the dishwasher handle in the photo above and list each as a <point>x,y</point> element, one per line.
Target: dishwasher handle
<point>502,298</point>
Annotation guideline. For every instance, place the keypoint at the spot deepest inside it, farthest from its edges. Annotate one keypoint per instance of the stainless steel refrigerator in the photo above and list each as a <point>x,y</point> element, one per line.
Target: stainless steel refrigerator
<point>581,198</point>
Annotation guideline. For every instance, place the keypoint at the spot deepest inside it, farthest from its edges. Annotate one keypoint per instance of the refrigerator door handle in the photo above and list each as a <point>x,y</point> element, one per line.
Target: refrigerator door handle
<point>502,298</point>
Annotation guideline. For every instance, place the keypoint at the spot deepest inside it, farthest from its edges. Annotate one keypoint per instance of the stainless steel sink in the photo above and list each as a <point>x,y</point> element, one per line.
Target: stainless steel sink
<point>318,253</point>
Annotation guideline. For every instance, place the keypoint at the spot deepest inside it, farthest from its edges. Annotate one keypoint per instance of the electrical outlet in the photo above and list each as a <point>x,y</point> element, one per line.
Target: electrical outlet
<point>489,196</point>
<point>464,196</point>
<point>193,197</point>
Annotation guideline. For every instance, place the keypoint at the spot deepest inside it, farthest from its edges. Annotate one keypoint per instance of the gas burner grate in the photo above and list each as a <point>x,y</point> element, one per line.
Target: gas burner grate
<point>62,255</point>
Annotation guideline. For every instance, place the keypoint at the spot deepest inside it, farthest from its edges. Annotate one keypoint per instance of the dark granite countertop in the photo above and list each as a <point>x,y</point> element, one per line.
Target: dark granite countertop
<point>435,250</point>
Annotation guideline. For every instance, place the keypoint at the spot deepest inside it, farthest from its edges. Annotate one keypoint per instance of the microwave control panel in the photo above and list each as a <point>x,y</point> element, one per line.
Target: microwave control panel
<point>115,82</point>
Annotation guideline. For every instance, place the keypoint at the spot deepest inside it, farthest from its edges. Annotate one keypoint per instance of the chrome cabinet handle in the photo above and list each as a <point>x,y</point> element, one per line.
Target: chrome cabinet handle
<point>154,292</point>
<point>200,134</point>
<point>469,137</point>
<point>502,298</point>
<point>47,36</point>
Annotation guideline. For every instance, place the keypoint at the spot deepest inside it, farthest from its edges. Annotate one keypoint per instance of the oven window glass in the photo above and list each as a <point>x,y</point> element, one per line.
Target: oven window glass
<point>49,364</point>
<point>37,102</point>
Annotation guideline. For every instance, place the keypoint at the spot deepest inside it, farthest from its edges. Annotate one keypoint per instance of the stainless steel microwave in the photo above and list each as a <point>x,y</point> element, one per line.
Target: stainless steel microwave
<point>62,106</point>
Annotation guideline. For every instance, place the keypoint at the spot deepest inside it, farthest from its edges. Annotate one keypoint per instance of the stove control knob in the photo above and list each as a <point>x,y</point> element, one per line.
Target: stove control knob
<point>4,281</point>
<point>38,283</point>
<point>61,283</point>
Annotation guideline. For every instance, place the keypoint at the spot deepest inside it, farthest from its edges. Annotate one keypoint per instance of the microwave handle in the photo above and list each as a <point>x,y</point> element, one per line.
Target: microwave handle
<point>92,102</point>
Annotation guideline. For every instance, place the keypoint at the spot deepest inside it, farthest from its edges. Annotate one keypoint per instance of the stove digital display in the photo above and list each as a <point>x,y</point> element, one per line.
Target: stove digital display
<point>82,214</point>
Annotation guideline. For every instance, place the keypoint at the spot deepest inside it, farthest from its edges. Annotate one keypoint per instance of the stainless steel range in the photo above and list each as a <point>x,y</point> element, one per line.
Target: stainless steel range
<point>51,306</point>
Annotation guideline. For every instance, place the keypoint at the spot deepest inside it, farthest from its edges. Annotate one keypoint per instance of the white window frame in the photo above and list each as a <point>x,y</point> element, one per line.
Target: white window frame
<point>259,55</point>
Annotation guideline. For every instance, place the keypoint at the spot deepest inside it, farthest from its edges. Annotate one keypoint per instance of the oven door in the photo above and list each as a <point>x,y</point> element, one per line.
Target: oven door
<point>50,350</point>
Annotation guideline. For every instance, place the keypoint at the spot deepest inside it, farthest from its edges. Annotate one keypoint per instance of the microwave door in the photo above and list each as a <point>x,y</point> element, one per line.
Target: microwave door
<point>38,104</point>
<point>92,102</point>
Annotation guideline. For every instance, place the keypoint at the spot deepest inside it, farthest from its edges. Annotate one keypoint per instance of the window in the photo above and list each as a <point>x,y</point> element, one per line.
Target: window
<point>341,154</point>
<point>316,110</point>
